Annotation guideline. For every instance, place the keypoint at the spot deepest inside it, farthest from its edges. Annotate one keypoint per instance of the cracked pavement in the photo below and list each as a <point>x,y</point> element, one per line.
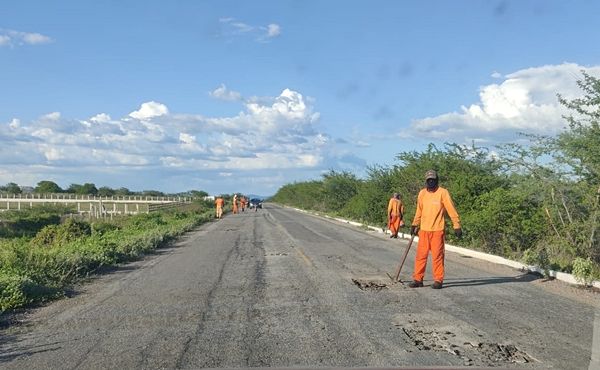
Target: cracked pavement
<point>280,288</point>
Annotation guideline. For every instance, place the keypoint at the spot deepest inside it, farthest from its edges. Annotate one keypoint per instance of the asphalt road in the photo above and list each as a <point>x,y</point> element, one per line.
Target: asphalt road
<point>279,288</point>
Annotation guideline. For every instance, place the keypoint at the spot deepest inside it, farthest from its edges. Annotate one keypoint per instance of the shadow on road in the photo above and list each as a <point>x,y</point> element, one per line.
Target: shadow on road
<point>458,282</point>
<point>11,348</point>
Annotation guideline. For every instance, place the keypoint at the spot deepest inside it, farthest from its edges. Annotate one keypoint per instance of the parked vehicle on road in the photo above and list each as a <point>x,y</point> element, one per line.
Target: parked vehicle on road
<point>255,203</point>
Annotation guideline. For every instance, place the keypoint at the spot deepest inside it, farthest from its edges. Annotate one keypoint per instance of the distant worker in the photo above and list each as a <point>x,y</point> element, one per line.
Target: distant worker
<point>219,203</point>
<point>243,202</point>
<point>432,203</point>
<point>235,204</point>
<point>395,215</point>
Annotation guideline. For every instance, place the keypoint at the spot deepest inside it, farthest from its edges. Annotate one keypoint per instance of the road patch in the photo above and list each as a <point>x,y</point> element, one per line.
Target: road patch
<point>370,285</point>
<point>433,331</point>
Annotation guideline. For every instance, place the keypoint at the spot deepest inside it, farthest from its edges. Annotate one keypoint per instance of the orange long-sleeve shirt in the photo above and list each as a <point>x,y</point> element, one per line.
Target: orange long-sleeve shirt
<point>431,207</point>
<point>219,202</point>
<point>395,207</point>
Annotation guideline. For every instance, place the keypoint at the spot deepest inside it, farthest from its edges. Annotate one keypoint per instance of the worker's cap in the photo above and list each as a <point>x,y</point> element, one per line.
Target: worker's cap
<point>396,194</point>
<point>431,174</point>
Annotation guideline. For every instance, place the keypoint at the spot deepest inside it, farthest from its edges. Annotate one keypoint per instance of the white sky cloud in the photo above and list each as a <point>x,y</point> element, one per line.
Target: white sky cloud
<point>233,27</point>
<point>149,110</point>
<point>101,118</point>
<point>35,38</point>
<point>18,38</point>
<point>525,101</point>
<point>14,123</point>
<point>223,93</point>
<point>54,116</point>
<point>273,30</point>
<point>270,133</point>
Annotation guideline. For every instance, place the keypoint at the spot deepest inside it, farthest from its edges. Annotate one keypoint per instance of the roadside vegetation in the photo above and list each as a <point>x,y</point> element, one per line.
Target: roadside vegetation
<point>45,250</point>
<point>538,203</point>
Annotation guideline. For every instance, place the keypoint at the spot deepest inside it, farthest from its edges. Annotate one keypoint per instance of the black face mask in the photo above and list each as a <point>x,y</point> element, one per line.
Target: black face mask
<point>431,184</point>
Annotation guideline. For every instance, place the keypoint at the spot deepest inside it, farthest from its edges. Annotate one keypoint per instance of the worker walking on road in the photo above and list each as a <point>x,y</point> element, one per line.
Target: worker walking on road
<point>395,215</point>
<point>243,202</point>
<point>432,203</point>
<point>234,206</point>
<point>219,202</point>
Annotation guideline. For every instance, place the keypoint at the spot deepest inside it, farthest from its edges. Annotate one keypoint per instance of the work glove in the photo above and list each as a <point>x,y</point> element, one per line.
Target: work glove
<point>414,229</point>
<point>458,233</point>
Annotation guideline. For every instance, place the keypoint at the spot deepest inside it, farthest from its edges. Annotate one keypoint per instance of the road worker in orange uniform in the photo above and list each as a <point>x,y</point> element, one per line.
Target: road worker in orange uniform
<point>432,203</point>
<point>243,202</point>
<point>219,203</point>
<point>235,204</point>
<point>395,214</point>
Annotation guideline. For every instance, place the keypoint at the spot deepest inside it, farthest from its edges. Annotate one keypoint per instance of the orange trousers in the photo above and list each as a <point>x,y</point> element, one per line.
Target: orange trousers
<point>430,241</point>
<point>394,224</point>
<point>235,208</point>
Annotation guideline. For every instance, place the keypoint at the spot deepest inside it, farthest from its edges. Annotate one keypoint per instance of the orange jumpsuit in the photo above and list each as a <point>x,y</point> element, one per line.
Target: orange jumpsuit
<point>235,205</point>
<point>243,202</point>
<point>395,214</point>
<point>431,207</point>
<point>219,202</point>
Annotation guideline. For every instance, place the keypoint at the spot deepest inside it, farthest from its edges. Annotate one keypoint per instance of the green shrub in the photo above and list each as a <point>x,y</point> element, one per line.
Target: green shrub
<point>56,235</point>
<point>12,291</point>
<point>29,221</point>
<point>583,270</point>
<point>102,227</point>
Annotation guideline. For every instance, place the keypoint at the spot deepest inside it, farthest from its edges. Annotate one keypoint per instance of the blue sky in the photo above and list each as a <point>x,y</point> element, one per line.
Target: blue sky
<point>241,96</point>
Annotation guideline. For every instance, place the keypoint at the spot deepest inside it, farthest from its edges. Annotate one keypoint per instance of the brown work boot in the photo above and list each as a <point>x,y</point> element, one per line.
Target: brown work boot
<point>437,285</point>
<point>415,284</point>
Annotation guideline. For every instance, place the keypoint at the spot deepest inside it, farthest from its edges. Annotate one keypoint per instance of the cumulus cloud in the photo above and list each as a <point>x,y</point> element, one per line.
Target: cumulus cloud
<point>273,30</point>
<point>525,101</point>
<point>54,116</point>
<point>149,110</point>
<point>234,28</point>
<point>223,93</point>
<point>278,133</point>
<point>17,38</point>
<point>101,118</point>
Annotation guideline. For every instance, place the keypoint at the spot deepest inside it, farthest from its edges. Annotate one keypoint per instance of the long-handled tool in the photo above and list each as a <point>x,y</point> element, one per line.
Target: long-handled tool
<point>396,277</point>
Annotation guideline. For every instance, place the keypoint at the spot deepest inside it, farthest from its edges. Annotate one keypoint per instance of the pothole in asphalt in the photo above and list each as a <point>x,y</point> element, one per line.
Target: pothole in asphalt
<point>477,353</point>
<point>503,353</point>
<point>372,285</point>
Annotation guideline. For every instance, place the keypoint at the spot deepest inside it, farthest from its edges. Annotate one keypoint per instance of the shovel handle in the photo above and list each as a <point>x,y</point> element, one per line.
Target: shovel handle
<point>397,275</point>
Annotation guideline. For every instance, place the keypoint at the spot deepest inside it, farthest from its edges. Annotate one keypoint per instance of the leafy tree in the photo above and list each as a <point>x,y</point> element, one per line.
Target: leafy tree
<point>306,195</point>
<point>85,189</point>
<point>153,193</point>
<point>369,204</point>
<point>198,193</point>
<point>74,189</point>
<point>47,187</point>
<point>339,188</point>
<point>105,191</point>
<point>89,188</point>
<point>122,191</point>
<point>11,188</point>
<point>579,149</point>
<point>566,169</point>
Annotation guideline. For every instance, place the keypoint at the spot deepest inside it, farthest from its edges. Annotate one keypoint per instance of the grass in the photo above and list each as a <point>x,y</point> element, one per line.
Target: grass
<point>40,267</point>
